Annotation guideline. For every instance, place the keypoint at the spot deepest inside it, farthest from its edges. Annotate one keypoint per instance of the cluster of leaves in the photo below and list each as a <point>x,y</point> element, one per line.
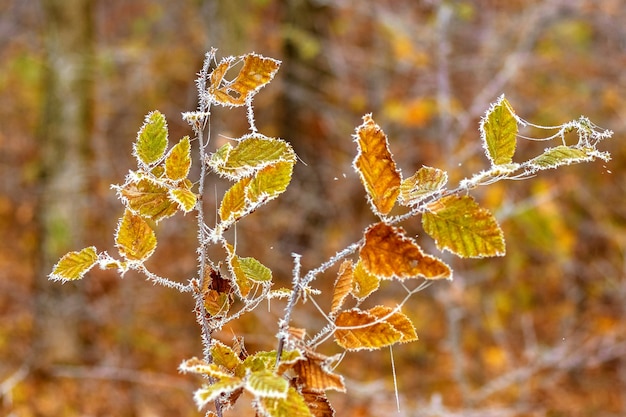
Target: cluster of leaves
<point>292,380</point>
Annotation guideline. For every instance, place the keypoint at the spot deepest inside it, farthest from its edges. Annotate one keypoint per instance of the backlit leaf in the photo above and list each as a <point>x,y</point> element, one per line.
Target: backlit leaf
<point>134,238</point>
<point>224,356</point>
<point>185,198</point>
<point>200,366</point>
<point>363,282</point>
<point>559,156</point>
<point>460,225</point>
<point>252,153</point>
<point>498,130</point>
<point>424,183</point>
<point>269,182</point>
<point>343,286</point>
<point>398,320</point>
<point>148,199</point>
<point>314,377</point>
<point>74,265</point>
<point>152,139</point>
<point>243,281</point>
<point>292,405</point>
<point>209,393</point>
<point>375,165</point>
<point>255,73</point>
<point>358,329</point>
<point>255,270</point>
<point>266,384</point>
<point>178,160</point>
<point>389,253</point>
<point>234,202</point>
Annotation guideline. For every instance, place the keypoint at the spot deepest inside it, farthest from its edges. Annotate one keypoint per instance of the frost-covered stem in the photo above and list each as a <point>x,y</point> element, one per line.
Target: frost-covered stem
<point>204,108</point>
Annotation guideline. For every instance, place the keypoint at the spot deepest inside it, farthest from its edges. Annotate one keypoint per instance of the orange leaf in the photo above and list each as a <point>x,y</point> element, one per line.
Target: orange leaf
<point>343,285</point>
<point>255,73</point>
<point>316,378</point>
<point>389,253</point>
<point>357,330</point>
<point>376,167</point>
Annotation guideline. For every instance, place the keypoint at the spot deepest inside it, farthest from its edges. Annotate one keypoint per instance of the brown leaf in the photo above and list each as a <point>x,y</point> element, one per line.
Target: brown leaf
<point>389,253</point>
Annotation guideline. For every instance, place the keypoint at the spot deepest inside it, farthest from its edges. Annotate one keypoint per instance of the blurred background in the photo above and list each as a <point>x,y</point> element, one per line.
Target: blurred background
<point>540,332</point>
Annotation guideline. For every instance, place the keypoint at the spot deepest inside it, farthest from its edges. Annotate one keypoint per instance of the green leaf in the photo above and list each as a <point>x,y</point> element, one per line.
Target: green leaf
<point>151,139</point>
<point>424,183</point>
<point>266,384</point>
<point>252,153</point>
<point>149,199</point>
<point>498,130</point>
<point>255,270</point>
<point>293,405</point>
<point>269,182</point>
<point>561,155</point>
<point>74,265</point>
<point>209,393</point>
<point>135,239</point>
<point>460,225</point>
<point>185,198</point>
<point>178,160</point>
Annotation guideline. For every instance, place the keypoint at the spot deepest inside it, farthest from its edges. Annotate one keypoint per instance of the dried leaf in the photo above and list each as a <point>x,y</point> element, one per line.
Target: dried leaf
<point>255,73</point>
<point>424,183</point>
<point>178,161</point>
<point>389,253</point>
<point>398,320</point>
<point>358,329</point>
<point>74,265</point>
<point>498,130</point>
<point>314,377</point>
<point>375,165</point>
<point>343,286</point>
<point>318,404</point>
<point>216,303</point>
<point>152,139</point>
<point>134,238</point>
<point>460,225</point>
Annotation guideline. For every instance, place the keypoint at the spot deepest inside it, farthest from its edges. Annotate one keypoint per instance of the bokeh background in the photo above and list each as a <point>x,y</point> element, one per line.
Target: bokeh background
<point>540,332</point>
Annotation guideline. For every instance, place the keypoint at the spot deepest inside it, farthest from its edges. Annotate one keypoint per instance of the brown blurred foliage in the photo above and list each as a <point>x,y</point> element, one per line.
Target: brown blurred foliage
<point>538,332</point>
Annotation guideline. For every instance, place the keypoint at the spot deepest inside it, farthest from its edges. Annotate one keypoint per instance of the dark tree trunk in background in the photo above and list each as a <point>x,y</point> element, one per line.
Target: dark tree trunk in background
<point>66,127</point>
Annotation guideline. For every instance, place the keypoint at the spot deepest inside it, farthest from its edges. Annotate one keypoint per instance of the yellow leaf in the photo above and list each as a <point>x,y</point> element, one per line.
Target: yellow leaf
<point>498,130</point>
<point>363,283</point>
<point>224,356</point>
<point>255,73</point>
<point>424,183</point>
<point>291,406</point>
<point>375,165</point>
<point>185,198</point>
<point>178,160</point>
<point>460,225</point>
<point>149,199</point>
<point>74,265</point>
<point>135,239</point>
<point>389,253</point>
<point>216,303</point>
<point>234,203</point>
